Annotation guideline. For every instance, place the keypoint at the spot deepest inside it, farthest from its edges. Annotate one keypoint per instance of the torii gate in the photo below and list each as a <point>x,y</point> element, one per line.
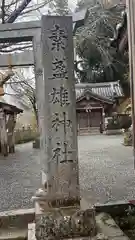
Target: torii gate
<point>29,31</point>
<point>57,122</point>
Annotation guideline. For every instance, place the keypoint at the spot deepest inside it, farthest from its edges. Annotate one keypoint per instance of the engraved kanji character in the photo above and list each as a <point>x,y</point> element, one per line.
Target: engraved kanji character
<point>58,38</point>
<point>60,155</point>
<point>66,152</point>
<point>57,121</point>
<point>66,122</point>
<point>60,96</point>
<point>57,153</point>
<point>59,69</point>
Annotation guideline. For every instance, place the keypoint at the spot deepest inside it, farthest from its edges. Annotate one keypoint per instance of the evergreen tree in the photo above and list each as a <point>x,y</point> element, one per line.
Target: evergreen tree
<point>59,7</point>
<point>100,62</point>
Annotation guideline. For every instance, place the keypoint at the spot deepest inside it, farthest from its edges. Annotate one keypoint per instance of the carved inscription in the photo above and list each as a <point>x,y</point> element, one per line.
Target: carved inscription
<point>59,69</point>
<point>58,38</point>
<point>61,149</point>
<point>57,122</point>
<point>60,96</point>
<point>61,153</point>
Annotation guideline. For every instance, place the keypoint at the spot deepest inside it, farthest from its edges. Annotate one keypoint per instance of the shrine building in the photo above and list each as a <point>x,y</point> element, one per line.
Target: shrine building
<point>94,102</point>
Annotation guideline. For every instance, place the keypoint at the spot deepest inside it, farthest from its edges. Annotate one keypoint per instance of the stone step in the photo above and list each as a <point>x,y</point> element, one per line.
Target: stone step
<point>91,131</point>
<point>13,234</point>
<point>107,227</point>
<point>31,234</point>
<point>17,218</point>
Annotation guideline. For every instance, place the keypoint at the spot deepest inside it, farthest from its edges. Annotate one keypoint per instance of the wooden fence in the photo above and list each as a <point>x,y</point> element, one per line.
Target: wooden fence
<point>25,134</point>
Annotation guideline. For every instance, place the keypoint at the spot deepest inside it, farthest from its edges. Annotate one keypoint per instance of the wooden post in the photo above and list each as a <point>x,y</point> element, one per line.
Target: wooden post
<point>10,127</point>
<point>3,133</point>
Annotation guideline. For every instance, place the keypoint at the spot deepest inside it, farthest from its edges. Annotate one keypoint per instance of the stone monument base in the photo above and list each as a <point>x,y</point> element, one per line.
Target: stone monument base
<point>64,223</point>
<point>31,234</point>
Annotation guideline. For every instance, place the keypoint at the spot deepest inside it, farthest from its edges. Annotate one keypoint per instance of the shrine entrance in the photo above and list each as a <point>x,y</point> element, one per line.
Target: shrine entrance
<point>89,119</point>
<point>90,110</point>
<point>95,117</point>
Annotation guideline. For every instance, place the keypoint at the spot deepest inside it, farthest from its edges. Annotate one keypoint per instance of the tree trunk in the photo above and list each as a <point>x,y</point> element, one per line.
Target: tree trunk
<point>14,15</point>
<point>3,133</point>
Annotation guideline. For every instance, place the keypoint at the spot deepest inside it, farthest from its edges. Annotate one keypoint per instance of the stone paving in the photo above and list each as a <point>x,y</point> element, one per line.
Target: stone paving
<point>106,172</point>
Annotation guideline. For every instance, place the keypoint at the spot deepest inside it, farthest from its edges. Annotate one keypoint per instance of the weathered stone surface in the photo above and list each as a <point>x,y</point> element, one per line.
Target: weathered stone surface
<point>65,222</point>
<point>17,59</point>
<point>107,226</point>
<point>31,231</point>
<point>13,234</point>
<point>31,234</point>
<point>113,207</point>
<point>60,160</point>
<point>17,218</point>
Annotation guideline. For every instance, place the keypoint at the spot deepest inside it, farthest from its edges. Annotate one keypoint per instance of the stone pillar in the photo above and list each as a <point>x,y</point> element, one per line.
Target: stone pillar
<point>131,45</point>
<point>61,159</point>
<point>3,133</point>
<point>58,214</point>
<point>40,141</point>
<point>10,127</point>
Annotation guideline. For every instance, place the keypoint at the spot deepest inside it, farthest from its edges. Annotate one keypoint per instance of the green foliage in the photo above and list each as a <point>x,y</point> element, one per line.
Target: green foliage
<point>119,122</point>
<point>100,61</point>
<point>113,124</point>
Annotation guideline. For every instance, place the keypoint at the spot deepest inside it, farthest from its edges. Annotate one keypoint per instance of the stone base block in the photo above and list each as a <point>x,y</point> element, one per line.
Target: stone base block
<point>107,226</point>
<point>31,234</point>
<point>13,234</point>
<point>17,218</point>
<point>114,208</point>
<point>64,223</point>
<point>31,231</point>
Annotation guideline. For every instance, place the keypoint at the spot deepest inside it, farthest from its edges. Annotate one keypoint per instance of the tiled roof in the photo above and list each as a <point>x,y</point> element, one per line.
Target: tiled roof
<point>8,107</point>
<point>107,89</point>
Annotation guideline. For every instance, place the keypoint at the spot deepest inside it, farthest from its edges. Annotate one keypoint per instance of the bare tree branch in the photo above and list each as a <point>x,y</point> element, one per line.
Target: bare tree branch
<point>17,11</point>
<point>3,11</point>
<point>23,89</point>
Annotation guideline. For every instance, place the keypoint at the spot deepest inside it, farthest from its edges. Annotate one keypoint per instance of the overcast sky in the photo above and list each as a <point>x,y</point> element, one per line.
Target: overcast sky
<point>36,15</point>
<point>33,16</point>
<point>72,3</point>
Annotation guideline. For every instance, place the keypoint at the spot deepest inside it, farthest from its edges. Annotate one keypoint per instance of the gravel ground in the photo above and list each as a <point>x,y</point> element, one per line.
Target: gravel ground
<point>106,172</point>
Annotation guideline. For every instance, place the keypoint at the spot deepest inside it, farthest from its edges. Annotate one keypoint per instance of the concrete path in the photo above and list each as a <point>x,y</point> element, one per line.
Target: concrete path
<point>106,172</point>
